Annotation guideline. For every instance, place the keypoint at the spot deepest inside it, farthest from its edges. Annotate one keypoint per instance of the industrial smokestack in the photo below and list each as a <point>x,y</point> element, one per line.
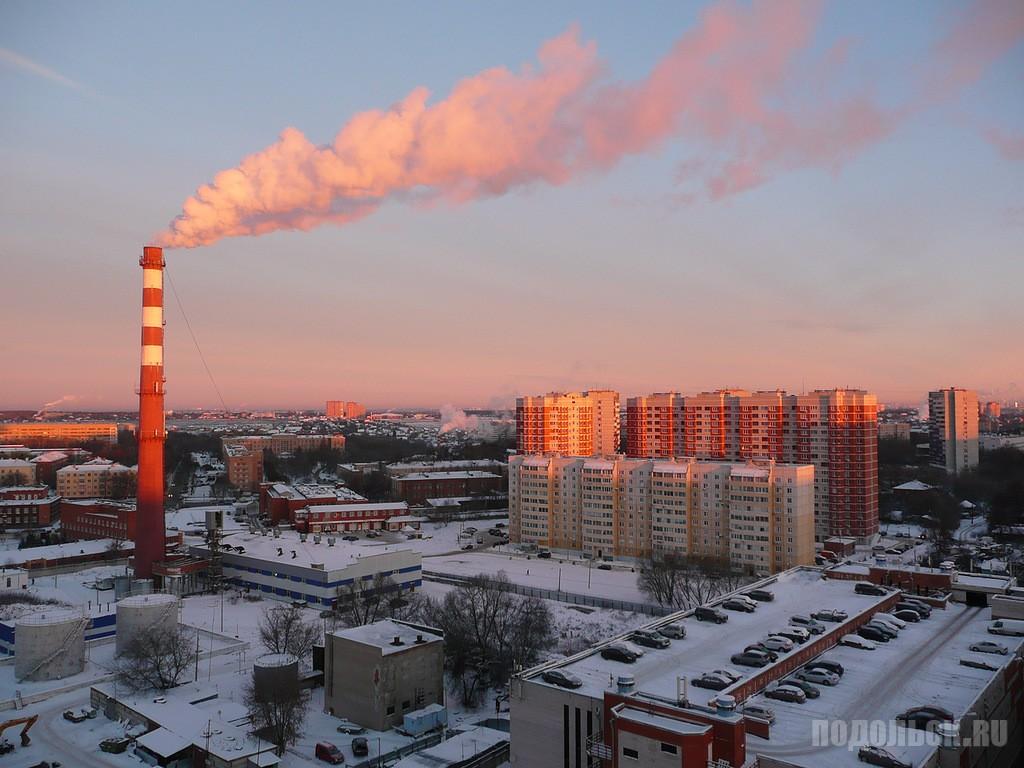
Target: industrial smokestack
<point>149,516</point>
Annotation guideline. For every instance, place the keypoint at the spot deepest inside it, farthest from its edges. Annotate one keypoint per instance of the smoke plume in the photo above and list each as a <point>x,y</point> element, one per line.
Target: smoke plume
<point>456,418</point>
<point>50,406</point>
<point>735,86</point>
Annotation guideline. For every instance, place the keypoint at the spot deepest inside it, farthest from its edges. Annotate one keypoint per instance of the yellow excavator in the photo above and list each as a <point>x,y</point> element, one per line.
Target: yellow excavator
<point>28,722</point>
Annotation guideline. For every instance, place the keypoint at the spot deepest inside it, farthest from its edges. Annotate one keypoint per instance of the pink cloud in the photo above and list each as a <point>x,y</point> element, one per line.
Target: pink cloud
<point>1010,146</point>
<point>729,86</point>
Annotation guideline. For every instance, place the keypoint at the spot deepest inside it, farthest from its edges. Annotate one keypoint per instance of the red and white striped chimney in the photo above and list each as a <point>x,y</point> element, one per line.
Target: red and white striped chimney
<point>149,516</point>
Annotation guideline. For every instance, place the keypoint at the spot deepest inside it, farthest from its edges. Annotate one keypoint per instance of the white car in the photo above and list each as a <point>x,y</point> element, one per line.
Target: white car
<point>759,711</point>
<point>777,643</point>
<point>890,619</point>
<point>727,672</point>
<point>820,676</point>
<point>987,646</point>
<point>745,599</point>
<point>856,641</point>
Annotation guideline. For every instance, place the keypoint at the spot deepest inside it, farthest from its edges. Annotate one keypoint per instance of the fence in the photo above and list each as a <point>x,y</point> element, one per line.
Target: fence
<point>553,594</point>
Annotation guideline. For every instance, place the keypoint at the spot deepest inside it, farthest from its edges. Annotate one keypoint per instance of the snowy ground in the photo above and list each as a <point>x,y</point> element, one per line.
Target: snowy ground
<point>920,667</point>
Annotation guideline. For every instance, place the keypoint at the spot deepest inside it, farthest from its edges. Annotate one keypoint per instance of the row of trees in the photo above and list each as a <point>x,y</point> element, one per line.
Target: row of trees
<point>680,583</point>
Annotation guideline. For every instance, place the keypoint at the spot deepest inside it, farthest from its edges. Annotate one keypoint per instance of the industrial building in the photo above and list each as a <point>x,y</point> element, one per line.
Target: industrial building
<point>31,506</point>
<point>279,501</point>
<point>621,712</point>
<point>370,516</point>
<point>455,465</point>
<point>953,429</point>
<point>286,442</point>
<point>377,673</point>
<point>416,487</point>
<point>295,566</point>
<point>758,516</point>
<point>98,519</point>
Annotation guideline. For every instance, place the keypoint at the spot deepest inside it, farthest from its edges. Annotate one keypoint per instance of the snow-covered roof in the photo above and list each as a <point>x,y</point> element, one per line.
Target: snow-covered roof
<point>381,635</point>
<point>58,551</point>
<point>455,750</point>
<point>913,485</point>
<point>670,724</point>
<point>454,475</point>
<point>163,742</point>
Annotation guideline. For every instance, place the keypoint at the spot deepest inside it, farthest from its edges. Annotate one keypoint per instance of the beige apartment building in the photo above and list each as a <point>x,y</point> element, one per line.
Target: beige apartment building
<point>59,433</point>
<point>571,423</point>
<point>96,479</point>
<point>17,472</point>
<point>953,429</point>
<point>377,673</point>
<point>757,515</point>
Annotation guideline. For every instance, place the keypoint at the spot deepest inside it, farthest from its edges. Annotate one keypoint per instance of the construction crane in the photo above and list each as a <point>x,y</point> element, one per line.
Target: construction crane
<point>28,722</point>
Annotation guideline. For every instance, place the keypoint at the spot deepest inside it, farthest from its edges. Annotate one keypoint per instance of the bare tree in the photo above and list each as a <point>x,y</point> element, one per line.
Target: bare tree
<point>659,580</point>
<point>488,630</point>
<point>679,582</point>
<point>283,629</point>
<point>364,602</point>
<point>278,715</point>
<point>156,658</point>
<point>115,550</point>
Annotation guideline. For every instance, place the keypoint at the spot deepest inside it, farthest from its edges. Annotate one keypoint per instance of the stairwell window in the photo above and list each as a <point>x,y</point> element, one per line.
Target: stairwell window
<point>632,754</point>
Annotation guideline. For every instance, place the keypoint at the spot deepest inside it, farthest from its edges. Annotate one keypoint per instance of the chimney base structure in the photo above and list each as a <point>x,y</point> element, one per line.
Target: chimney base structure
<point>149,523</point>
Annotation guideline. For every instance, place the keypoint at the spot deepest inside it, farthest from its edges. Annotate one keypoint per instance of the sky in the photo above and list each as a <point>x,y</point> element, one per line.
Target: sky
<point>417,204</point>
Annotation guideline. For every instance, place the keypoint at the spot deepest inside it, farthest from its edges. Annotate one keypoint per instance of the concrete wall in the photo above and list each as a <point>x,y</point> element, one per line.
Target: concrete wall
<point>549,725</point>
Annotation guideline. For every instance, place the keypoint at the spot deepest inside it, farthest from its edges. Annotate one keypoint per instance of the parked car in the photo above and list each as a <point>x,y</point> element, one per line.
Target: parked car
<point>908,615</point>
<point>733,604</point>
<point>329,753</point>
<point>544,555</point>
<point>761,595</point>
<point>892,621</point>
<point>1007,627</point>
<point>885,629</point>
<point>914,605</point>
<point>810,691</point>
<point>347,726</point>
<point>778,643</point>
<point>759,711</point>
<point>619,652</point>
<point>811,625</point>
<point>727,672</point>
<point>924,718</point>
<point>115,745</point>
<point>796,634</point>
<point>350,537</point>
<point>980,662</point>
<point>360,747</point>
<point>650,638</point>
<point>881,757</point>
<point>746,599</point>
<point>604,567</point>
<point>706,613</point>
<point>675,631</point>
<point>786,693</point>
<point>74,715</point>
<point>561,678</point>
<point>989,646</point>
<point>830,614</point>
<point>749,659</point>
<point>762,648</point>
<point>867,588</point>
<point>820,676</point>
<point>713,682</point>
<point>469,529</point>
<point>856,641</point>
<point>832,666</point>
<point>468,547</point>
<point>372,534</point>
<point>870,633</point>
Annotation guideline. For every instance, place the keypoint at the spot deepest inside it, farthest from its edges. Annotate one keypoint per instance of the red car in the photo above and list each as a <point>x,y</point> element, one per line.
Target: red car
<point>329,753</point>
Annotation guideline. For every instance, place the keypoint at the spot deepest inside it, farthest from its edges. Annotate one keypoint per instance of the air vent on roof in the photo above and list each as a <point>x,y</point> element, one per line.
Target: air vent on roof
<point>302,537</point>
<point>280,551</point>
<point>330,541</point>
<point>316,538</point>
<point>277,534</point>
<point>626,683</point>
<point>293,554</point>
<point>420,640</point>
<point>397,641</point>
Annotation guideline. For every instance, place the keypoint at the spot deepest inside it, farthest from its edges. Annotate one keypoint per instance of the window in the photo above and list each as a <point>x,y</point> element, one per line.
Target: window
<point>391,709</point>
<point>632,754</point>
<point>405,706</point>
<point>671,749</point>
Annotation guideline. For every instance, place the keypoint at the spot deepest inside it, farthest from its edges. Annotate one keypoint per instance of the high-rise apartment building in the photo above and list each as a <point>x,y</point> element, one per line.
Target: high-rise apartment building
<point>758,516</point>
<point>836,430</point>
<point>655,426</point>
<point>342,409</point>
<point>953,429</point>
<point>572,423</point>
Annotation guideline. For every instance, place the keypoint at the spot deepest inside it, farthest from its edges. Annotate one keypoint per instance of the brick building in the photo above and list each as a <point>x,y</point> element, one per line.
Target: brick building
<point>47,465</point>
<point>98,519</point>
<point>417,487</point>
<point>44,434</point>
<point>32,506</point>
<point>244,466</point>
<point>574,423</point>
<point>279,501</point>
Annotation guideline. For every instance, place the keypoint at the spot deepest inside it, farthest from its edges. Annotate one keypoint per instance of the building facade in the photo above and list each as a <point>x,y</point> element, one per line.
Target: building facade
<point>417,487</point>
<point>758,516</point>
<point>280,502</point>
<point>953,429</point>
<point>17,472</point>
<point>286,442</point>
<point>835,430</point>
<point>377,673</point>
<point>97,519</point>
<point>572,423</point>
<point>96,479</point>
<point>243,466</point>
<point>342,409</point>
<point>31,506</point>
<point>44,433</point>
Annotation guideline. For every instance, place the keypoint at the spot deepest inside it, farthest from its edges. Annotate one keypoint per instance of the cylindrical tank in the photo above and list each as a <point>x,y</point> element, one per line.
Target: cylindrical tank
<point>276,674</point>
<point>49,645</point>
<point>139,613</point>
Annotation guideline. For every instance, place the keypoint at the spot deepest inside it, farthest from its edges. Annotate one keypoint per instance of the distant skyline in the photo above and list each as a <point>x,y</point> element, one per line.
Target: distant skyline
<point>689,196</point>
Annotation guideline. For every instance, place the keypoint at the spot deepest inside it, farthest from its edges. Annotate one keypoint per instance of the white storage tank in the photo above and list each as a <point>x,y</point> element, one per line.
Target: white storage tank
<point>49,645</point>
<point>139,613</point>
<point>275,673</point>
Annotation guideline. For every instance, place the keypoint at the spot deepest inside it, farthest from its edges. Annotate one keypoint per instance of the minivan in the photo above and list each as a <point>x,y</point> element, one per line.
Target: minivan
<point>1007,627</point>
<point>706,613</point>
<point>329,753</point>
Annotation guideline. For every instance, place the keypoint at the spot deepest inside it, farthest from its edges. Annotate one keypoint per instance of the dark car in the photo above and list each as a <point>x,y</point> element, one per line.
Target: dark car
<point>704,613</point>
<point>772,655</point>
<point>831,666</point>
<point>733,604</point>
<point>915,605</point>
<point>604,567</point>
<point>350,537</point>
<point>830,614</point>
<point>360,747</point>
<point>115,745</point>
<point>561,678</point>
<point>786,693</point>
<point>649,638</point>
<point>924,718</point>
<point>867,588</point>
<point>811,691</point>
<point>882,628</point>
<point>870,633</point>
<point>761,595</point>
<point>907,614</point>
<point>788,632</point>
<point>878,756</point>
<point>618,652</point>
<point>329,753</point>
<point>749,659</point>
<point>714,682</point>
<point>544,555</point>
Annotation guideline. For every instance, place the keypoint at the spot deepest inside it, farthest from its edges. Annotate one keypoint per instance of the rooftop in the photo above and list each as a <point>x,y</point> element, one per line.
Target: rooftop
<point>454,475</point>
<point>382,634</point>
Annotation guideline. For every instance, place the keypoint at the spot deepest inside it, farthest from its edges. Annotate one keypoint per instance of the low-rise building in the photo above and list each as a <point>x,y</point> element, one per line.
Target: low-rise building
<point>415,488</point>
<point>48,463</point>
<point>286,442</point>
<point>894,430</point>
<point>371,516</point>
<point>377,673</point>
<point>96,479</point>
<point>98,519</point>
<point>17,472</point>
<point>57,433</point>
<point>244,466</point>
<point>280,501</point>
<point>28,506</point>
